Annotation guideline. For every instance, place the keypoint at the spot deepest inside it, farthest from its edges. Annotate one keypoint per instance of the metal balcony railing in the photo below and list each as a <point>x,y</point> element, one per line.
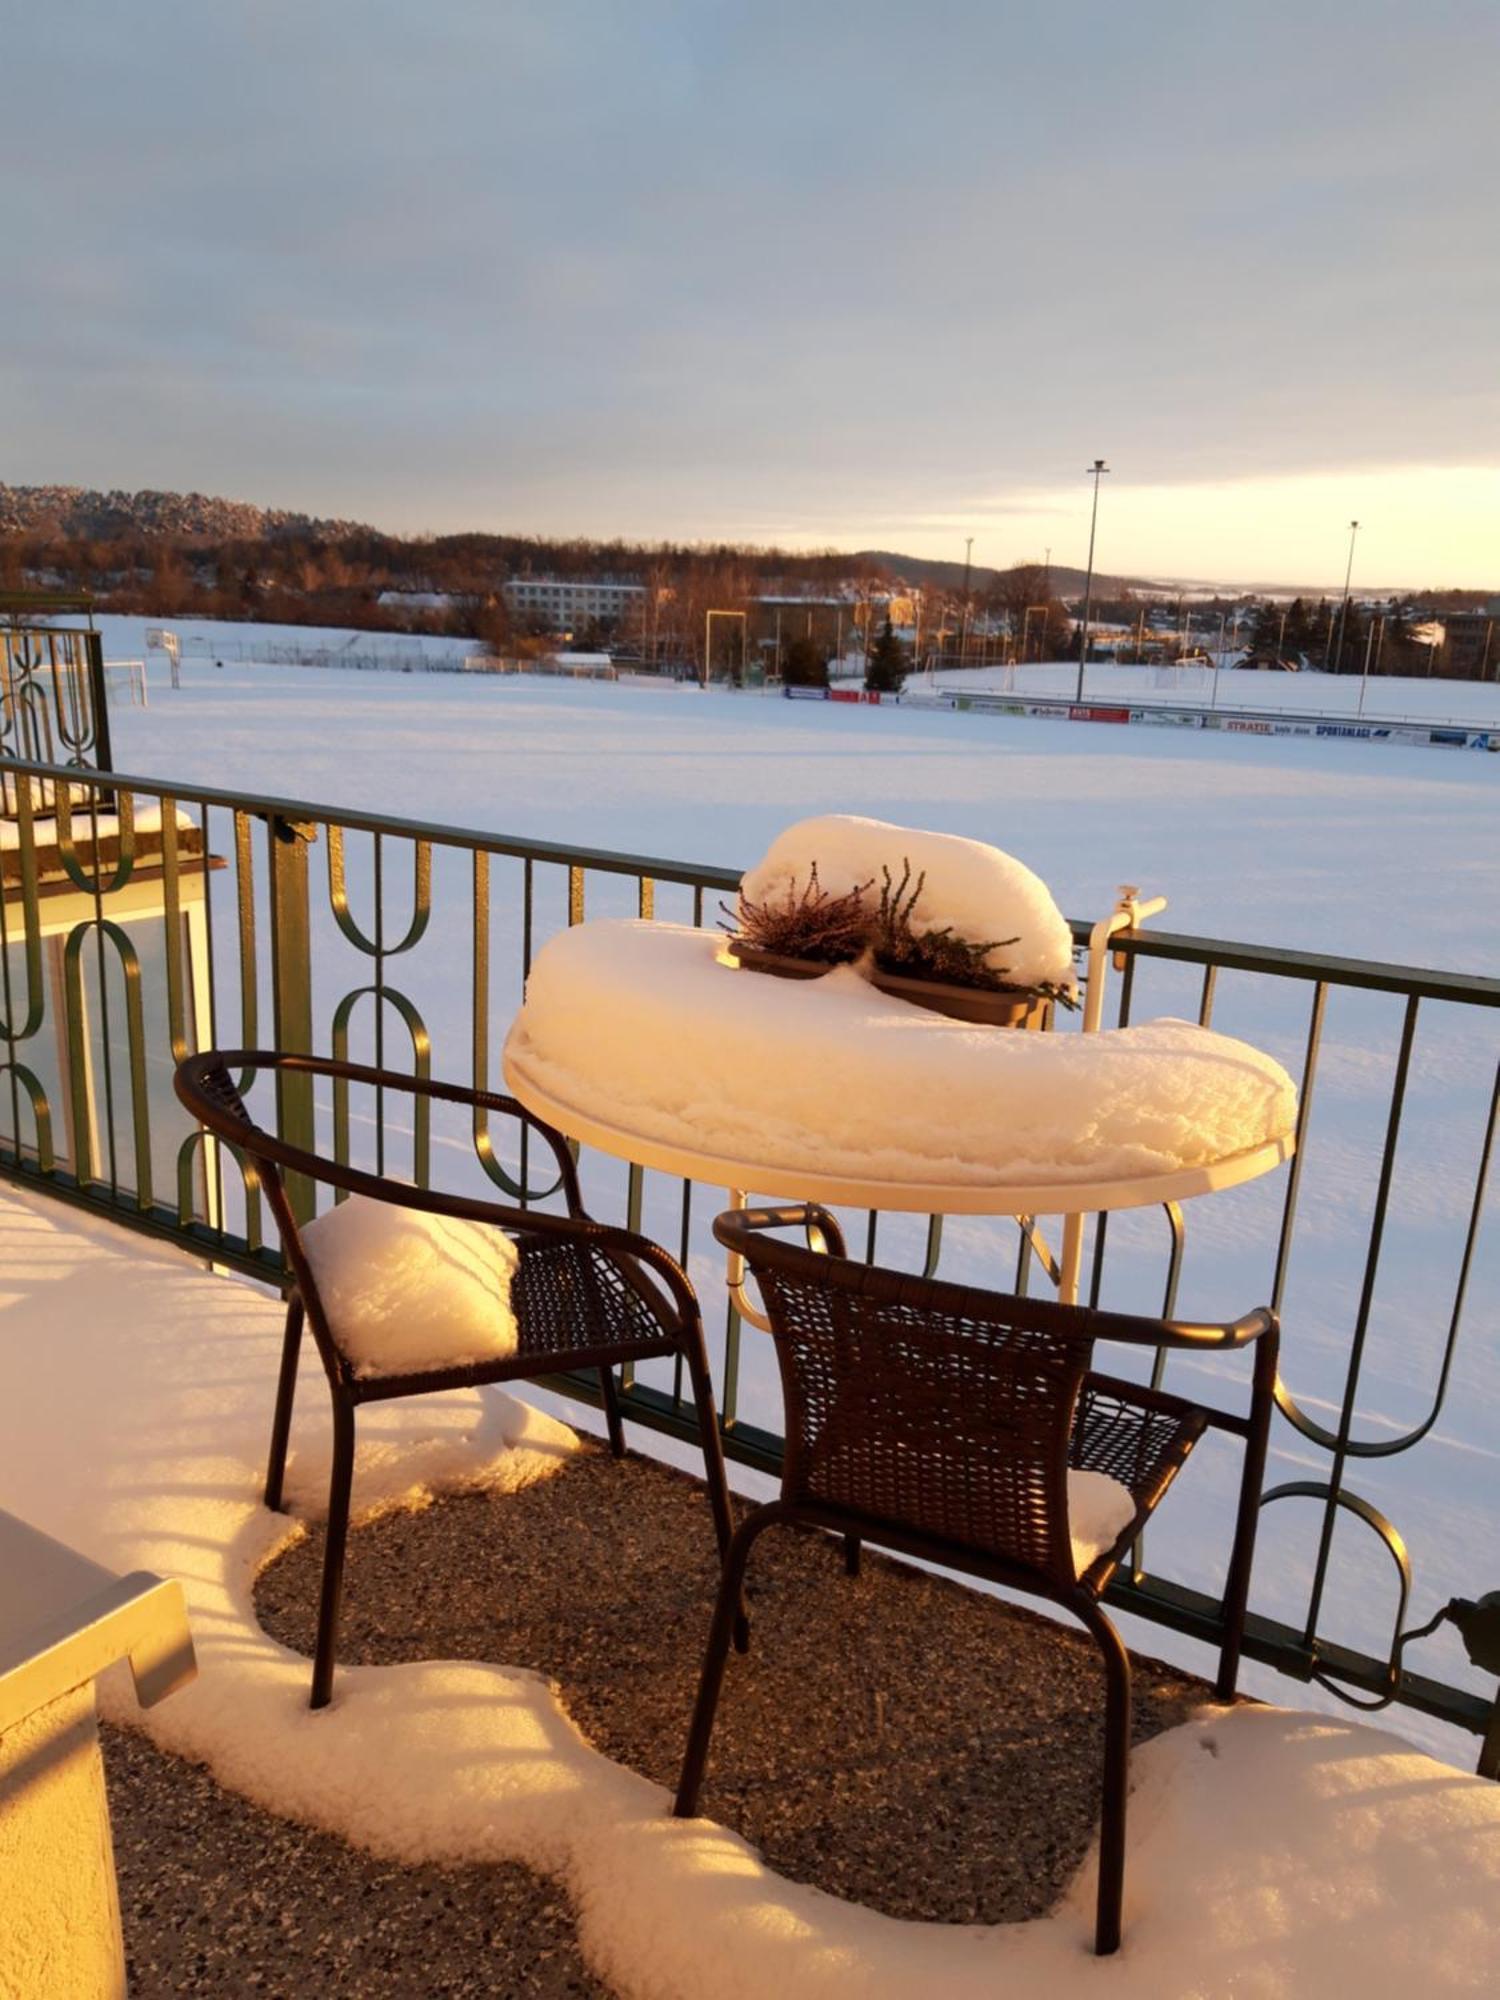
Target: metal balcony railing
<point>52,698</point>
<point>140,920</point>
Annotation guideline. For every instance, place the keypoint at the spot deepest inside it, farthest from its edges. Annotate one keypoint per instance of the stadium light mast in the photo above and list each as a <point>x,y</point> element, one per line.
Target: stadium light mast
<point>963,639</point>
<point>1097,469</point>
<point>1338,657</point>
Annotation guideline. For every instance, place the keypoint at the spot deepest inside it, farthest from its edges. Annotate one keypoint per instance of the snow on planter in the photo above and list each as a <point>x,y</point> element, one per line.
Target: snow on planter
<point>978,892</point>
<point>406,1291</point>
<point>650,1028</point>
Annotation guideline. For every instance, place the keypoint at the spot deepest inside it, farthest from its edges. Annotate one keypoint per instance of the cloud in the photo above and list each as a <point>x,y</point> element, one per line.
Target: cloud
<point>671,267</point>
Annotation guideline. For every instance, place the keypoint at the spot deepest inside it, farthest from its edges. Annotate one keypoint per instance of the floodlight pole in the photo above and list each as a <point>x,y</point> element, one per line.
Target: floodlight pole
<point>963,637</point>
<point>1098,468</point>
<point>1338,657</point>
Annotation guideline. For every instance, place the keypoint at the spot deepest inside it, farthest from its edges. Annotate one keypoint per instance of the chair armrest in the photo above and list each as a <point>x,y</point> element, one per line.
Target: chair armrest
<point>1186,1335</point>
<point>736,1226</point>
<point>641,1250</point>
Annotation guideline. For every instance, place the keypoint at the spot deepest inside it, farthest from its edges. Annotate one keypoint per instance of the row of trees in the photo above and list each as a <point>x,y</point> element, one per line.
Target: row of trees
<point>1340,640</point>
<point>804,663</point>
<point>358,577</point>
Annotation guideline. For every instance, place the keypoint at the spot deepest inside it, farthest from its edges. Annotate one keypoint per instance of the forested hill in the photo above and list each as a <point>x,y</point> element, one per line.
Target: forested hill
<point>950,575</point>
<point>82,512</point>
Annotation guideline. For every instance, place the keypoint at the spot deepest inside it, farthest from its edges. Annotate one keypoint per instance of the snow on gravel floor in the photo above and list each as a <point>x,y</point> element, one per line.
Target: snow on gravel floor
<point>1272,1853</point>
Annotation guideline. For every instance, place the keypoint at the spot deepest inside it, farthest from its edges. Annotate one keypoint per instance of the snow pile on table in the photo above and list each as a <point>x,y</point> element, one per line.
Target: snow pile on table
<point>649,1028</point>
<point>405,1290</point>
<point>978,892</point>
<point>1272,1854</point>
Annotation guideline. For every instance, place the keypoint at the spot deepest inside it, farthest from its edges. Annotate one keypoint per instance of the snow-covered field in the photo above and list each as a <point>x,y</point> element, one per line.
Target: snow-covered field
<point>1388,853</point>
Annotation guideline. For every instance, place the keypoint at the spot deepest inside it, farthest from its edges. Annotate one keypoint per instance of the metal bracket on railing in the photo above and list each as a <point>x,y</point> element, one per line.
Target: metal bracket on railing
<point>1126,915</point>
<point>290,829</point>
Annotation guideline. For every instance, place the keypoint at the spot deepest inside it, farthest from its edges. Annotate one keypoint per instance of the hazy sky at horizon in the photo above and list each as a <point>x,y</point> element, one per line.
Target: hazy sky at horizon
<point>863,274</point>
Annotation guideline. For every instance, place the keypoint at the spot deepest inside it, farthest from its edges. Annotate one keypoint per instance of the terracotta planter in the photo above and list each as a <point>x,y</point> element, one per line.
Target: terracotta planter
<point>992,1008</point>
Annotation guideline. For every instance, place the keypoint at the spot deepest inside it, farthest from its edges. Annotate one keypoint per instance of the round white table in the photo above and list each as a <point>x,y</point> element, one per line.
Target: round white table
<point>1072,1200</point>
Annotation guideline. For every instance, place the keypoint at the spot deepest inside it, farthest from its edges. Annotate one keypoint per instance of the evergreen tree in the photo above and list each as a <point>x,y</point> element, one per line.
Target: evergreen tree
<point>1350,630</point>
<point>1397,649</point>
<point>803,664</point>
<point>886,667</point>
<point>1265,631</point>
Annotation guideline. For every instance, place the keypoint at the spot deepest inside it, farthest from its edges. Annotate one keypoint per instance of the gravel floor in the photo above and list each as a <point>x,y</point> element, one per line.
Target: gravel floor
<point>896,1739</point>
<point>218,1897</point>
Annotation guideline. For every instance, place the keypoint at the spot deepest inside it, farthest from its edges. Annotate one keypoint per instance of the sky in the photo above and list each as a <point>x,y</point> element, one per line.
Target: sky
<point>837,273</point>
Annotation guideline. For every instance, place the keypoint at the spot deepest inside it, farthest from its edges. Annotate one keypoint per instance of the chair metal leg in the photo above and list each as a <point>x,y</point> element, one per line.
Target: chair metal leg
<point>1116,1781</point>
<point>726,1611</point>
<point>612,1419</point>
<point>286,1390</point>
<point>695,1353</point>
<point>851,1555</point>
<point>1252,1483</point>
<point>336,1538</point>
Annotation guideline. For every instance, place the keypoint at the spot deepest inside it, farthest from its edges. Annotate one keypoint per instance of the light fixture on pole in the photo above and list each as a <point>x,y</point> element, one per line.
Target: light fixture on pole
<point>1097,469</point>
<point>1338,657</point>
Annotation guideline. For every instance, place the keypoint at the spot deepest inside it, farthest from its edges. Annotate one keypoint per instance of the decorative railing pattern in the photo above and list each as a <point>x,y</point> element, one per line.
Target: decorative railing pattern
<point>139,920</point>
<point>52,698</point>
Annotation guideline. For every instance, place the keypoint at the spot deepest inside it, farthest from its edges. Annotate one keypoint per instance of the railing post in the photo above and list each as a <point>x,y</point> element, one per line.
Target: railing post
<point>98,697</point>
<point>287,842</point>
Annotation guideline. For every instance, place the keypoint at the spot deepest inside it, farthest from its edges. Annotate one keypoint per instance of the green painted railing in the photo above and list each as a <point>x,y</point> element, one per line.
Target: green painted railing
<point>140,919</point>
<point>52,697</point>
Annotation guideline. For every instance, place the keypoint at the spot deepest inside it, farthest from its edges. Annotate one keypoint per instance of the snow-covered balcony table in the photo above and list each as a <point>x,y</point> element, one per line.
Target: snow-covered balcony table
<point>647,1041</point>
<point>410,1291</point>
<point>970,1429</point>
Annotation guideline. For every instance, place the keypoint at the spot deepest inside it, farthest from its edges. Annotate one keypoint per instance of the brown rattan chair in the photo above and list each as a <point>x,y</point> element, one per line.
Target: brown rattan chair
<point>584,1295</point>
<point>943,1422</point>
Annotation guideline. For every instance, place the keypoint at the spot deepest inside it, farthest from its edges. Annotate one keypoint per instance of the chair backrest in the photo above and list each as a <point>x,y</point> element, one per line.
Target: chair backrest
<point>205,1086</point>
<point>930,1406</point>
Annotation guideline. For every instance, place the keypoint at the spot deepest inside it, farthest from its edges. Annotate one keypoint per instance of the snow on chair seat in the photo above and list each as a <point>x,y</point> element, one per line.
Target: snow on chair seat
<point>652,1029</point>
<point>406,1291</point>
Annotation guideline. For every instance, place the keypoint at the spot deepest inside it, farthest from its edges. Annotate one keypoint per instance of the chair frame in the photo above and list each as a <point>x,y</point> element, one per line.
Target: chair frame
<point>204,1085</point>
<point>825,1263</point>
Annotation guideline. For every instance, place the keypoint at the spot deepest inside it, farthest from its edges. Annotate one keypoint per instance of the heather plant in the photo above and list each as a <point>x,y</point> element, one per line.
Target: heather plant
<point>830,930</point>
<point>939,954</point>
<point>824,929</point>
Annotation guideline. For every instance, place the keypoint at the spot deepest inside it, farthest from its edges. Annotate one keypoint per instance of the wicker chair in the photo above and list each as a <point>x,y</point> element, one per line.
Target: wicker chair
<point>943,1423</point>
<point>584,1295</point>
